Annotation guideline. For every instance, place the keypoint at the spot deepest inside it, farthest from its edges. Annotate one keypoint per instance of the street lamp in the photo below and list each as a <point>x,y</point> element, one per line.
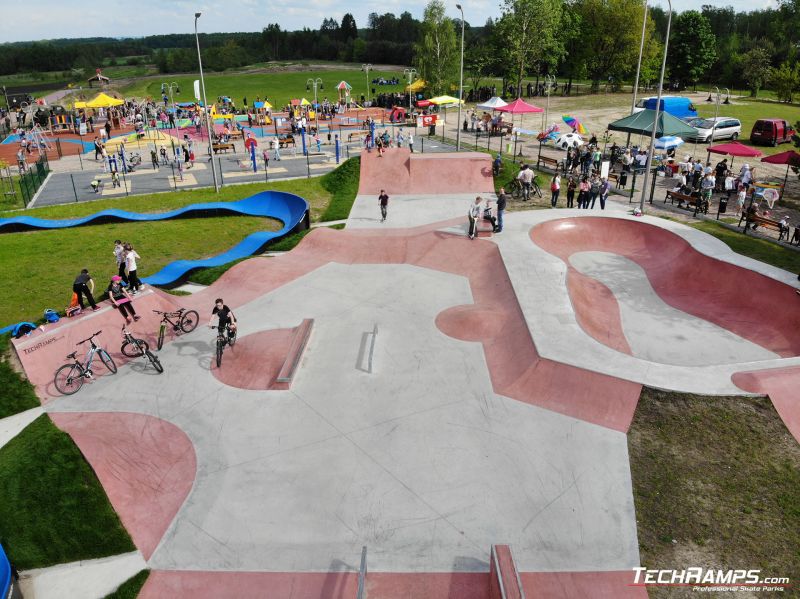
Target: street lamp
<point>171,87</point>
<point>658,108</point>
<point>549,83</point>
<point>716,115</point>
<point>315,82</point>
<point>460,83</point>
<point>639,64</point>
<point>409,73</point>
<point>205,105</point>
<point>366,68</point>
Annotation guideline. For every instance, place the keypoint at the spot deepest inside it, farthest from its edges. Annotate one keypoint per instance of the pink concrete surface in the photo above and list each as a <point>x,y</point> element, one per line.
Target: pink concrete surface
<point>782,385</point>
<point>400,172</point>
<point>506,571</point>
<point>255,360</point>
<point>44,351</point>
<point>742,301</point>
<point>313,585</point>
<point>603,321</point>
<point>146,466</point>
<point>580,585</point>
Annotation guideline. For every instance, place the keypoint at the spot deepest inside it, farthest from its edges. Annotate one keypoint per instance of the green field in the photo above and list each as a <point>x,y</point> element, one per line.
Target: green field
<point>278,87</point>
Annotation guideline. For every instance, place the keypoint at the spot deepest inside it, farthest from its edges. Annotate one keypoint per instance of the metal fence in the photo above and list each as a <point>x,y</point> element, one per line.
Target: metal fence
<point>32,180</point>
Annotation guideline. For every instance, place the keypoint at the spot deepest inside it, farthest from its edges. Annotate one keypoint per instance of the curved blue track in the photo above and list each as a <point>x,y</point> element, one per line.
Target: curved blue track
<point>288,208</point>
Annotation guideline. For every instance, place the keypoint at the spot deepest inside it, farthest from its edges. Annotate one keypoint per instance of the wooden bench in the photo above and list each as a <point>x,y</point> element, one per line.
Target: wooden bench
<point>285,142</point>
<point>753,220</point>
<point>223,147</point>
<point>551,163</point>
<point>235,134</point>
<point>296,349</point>
<point>359,134</point>
<point>696,201</point>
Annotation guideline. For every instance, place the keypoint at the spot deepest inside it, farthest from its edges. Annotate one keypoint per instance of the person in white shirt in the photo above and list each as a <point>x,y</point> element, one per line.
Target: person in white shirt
<point>473,214</point>
<point>525,177</point>
<point>130,264</point>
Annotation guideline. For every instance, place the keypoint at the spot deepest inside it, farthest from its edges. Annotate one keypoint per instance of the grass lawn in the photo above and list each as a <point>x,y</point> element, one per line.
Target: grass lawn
<point>54,509</point>
<point>765,251</point>
<point>278,87</point>
<point>716,483</point>
<point>18,394</point>
<point>131,587</point>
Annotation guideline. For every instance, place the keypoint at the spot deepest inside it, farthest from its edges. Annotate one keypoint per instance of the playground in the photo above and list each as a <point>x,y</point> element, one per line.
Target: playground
<point>408,409</point>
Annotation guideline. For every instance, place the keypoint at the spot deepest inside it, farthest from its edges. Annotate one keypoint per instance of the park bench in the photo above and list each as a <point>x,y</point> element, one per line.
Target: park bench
<point>236,134</point>
<point>751,221</point>
<point>285,141</point>
<point>550,163</point>
<point>223,147</point>
<point>696,201</point>
<point>358,134</point>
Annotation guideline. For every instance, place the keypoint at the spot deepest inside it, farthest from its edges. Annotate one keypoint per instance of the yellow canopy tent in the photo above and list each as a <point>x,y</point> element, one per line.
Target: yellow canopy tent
<point>417,86</point>
<point>444,100</point>
<point>103,100</point>
<point>79,104</point>
<point>305,102</point>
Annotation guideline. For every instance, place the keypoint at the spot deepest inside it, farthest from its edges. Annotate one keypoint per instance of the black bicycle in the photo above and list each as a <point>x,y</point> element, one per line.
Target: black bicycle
<point>181,321</point>
<point>136,348</point>
<point>226,337</point>
<point>514,187</point>
<point>69,378</point>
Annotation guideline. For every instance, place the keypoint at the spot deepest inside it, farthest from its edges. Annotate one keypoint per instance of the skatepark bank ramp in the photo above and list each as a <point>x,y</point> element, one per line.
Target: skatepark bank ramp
<point>400,172</point>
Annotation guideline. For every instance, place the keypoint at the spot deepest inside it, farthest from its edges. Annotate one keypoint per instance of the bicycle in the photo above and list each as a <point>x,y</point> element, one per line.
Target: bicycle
<point>185,322</point>
<point>515,188</point>
<point>222,341</point>
<point>69,378</point>
<point>135,348</point>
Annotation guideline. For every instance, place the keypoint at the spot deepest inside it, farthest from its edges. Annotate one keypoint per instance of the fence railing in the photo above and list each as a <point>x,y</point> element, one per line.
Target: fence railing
<point>32,180</point>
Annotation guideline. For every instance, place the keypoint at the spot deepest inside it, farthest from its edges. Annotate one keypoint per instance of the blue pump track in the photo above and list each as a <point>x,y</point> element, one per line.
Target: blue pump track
<point>288,208</point>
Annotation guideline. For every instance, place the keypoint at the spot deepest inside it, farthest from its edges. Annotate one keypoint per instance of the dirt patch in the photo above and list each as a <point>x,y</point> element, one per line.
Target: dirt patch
<point>716,484</point>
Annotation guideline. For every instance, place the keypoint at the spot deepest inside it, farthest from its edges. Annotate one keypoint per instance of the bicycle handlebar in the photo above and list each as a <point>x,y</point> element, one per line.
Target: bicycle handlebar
<point>89,339</point>
<point>178,311</point>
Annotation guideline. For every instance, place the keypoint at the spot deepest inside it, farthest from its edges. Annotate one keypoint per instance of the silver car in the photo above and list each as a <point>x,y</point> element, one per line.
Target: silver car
<point>727,128</point>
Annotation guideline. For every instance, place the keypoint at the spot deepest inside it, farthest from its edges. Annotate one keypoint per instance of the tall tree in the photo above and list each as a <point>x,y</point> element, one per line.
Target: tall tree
<point>692,48</point>
<point>756,69</point>
<point>530,32</point>
<point>348,30</point>
<point>435,53</point>
<point>785,81</point>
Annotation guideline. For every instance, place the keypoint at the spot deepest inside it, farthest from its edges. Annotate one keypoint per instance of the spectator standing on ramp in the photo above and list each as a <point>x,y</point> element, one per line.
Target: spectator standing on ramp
<point>130,263</point>
<point>119,256</point>
<point>501,209</point>
<point>83,285</point>
<point>383,200</point>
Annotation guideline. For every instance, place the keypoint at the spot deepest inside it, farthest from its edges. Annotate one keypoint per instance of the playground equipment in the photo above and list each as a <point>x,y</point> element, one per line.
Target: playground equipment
<point>36,137</point>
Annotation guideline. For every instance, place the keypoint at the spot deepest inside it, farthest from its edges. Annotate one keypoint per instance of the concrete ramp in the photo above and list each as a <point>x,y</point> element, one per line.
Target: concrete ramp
<point>400,172</point>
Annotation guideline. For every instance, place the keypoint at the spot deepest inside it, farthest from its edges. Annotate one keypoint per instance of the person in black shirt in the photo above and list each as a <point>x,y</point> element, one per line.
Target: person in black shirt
<point>81,287</point>
<point>383,200</point>
<point>225,317</point>
<point>501,208</point>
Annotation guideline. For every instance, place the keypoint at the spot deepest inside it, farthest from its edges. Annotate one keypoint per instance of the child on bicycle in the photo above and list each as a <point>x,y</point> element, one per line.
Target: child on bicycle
<point>225,318</point>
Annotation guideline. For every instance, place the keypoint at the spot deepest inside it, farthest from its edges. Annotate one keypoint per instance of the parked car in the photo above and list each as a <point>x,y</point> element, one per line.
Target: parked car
<point>9,586</point>
<point>771,132</point>
<point>678,106</point>
<point>726,128</point>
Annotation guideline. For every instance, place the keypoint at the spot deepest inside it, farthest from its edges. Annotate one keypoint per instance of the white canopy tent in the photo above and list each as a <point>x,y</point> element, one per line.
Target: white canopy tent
<point>491,104</point>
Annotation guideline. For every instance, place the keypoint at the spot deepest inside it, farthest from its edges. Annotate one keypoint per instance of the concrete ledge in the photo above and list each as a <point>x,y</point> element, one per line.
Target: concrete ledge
<point>296,349</point>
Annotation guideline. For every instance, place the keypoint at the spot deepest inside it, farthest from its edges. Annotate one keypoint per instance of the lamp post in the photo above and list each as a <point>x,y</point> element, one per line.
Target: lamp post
<point>639,64</point>
<point>172,87</point>
<point>550,81</point>
<point>460,83</point>
<point>658,108</point>
<point>315,82</point>
<point>409,73</point>
<point>366,68</point>
<point>716,115</point>
<point>205,106</point>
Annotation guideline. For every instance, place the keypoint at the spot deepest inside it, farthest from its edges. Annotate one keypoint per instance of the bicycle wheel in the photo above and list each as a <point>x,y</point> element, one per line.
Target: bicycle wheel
<point>231,338</point>
<point>134,350</point>
<point>220,349</point>
<point>161,330</point>
<point>68,379</point>
<point>189,321</point>
<point>154,361</point>
<point>516,191</point>
<point>537,190</point>
<point>107,360</point>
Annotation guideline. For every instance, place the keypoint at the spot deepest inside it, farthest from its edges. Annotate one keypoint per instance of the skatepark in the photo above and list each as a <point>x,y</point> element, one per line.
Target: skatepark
<point>455,411</point>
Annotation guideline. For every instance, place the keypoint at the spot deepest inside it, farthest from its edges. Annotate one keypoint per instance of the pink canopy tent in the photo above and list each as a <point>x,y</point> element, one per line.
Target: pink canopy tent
<point>734,148</point>
<point>521,107</point>
<point>789,158</point>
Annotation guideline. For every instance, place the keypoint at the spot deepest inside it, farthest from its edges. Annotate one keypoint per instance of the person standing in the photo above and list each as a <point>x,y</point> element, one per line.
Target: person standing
<point>571,185</point>
<point>119,256</point>
<point>525,178</point>
<point>555,189</point>
<point>411,142</point>
<point>130,263</point>
<point>276,149</point>
<point>383,200</point>
<point>594,191</point>
<point>82,286</point>
<point>502,199</point>
<point>605,189</point>
<point>707,188</point>
<point>583,193</point>
<point>473,214</point>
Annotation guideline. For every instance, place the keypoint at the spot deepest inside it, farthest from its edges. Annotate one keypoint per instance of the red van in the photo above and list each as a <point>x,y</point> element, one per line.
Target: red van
<point>771,132</point>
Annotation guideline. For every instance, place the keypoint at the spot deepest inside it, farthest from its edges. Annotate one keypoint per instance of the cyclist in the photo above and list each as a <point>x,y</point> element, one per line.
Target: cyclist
<point>225,317</point>
<point>525,177</point>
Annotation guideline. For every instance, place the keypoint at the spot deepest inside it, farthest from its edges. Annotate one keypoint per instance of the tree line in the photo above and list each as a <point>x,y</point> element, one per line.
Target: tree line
<point>595,40</point>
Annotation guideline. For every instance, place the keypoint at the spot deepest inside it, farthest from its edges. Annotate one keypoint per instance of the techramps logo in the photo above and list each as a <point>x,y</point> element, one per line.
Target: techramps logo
<point>709,580</point>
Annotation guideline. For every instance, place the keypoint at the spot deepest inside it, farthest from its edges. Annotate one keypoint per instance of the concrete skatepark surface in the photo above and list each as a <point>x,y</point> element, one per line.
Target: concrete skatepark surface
<point>496,409</point>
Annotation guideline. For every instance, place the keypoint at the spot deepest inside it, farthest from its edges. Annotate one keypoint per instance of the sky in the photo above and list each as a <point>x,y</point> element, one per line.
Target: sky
<point>118,18</point>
